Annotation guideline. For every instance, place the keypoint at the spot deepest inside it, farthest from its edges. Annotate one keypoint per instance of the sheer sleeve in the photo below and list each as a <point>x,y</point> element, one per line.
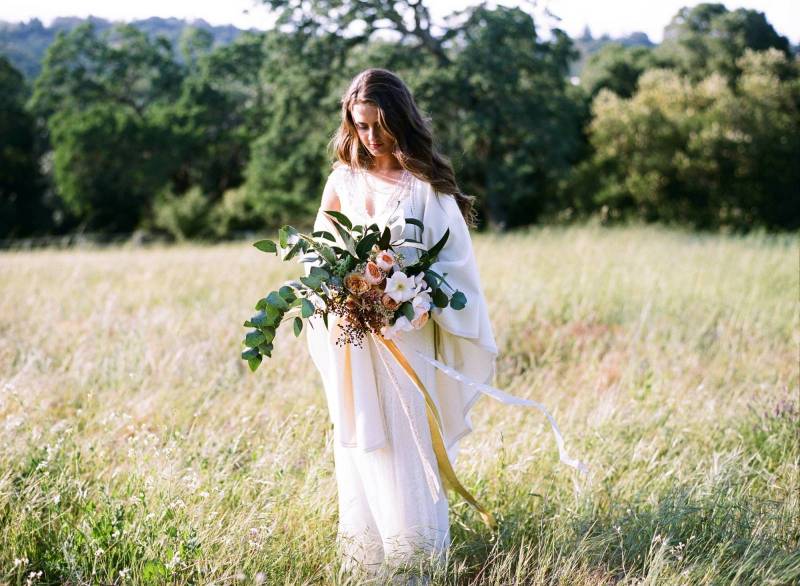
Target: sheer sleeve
<point>465,340</point>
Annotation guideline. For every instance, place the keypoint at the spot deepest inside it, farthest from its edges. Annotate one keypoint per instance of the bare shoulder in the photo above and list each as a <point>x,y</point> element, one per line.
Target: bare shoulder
<point>330,199</point>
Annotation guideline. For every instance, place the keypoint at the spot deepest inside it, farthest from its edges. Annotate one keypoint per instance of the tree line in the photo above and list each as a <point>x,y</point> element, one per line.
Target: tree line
<point>123,131</point>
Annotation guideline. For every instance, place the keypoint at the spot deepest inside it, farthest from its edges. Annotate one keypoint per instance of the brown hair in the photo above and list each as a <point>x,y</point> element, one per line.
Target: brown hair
<point>398,116</point>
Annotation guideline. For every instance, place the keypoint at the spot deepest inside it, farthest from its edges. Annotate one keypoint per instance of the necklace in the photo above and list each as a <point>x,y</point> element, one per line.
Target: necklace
<point>398,190</point>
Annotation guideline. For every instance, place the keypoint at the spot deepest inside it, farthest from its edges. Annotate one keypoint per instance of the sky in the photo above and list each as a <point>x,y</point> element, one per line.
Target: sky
<point>615,17</point>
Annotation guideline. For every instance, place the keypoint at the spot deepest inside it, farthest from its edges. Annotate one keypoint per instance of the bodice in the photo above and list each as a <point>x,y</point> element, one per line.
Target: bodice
<point>354,186</point>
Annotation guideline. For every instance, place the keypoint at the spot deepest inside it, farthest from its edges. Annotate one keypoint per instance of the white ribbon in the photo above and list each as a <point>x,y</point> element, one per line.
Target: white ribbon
<point>430,476</point>
<point>499,395</point>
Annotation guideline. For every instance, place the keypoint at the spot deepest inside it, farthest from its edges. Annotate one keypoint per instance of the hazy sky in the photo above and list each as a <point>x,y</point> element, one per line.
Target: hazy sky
<point>615,17</point>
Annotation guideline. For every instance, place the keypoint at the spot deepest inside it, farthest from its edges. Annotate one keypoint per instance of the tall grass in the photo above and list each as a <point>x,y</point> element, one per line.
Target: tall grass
<point>135,446</point>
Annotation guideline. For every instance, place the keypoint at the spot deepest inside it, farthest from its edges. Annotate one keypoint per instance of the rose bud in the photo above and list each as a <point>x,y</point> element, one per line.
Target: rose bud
<point>385,260</point>
<point>373,273</point>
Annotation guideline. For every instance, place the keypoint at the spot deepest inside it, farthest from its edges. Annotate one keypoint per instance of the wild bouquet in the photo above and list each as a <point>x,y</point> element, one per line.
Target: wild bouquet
<point>363,277</point>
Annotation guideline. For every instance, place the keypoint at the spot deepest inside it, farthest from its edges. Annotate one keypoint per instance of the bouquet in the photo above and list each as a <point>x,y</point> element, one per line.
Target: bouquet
<point>362,277</point>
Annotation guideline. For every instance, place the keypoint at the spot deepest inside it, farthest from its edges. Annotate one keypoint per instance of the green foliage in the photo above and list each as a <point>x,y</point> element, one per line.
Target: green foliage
<point>201,139</point>
<point>183,216</point>
<point>617,68</point>
<point>703,153</point>
<point>503,107</point>
<point>104,166</point>
<point>22,210</point>
<point>707,38</point>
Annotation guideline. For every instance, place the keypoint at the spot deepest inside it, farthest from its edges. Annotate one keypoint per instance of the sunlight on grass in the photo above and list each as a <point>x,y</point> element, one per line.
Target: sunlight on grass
<point>136,447</point>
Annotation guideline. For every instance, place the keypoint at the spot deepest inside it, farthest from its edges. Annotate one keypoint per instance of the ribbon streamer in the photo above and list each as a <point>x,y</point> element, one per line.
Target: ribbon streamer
<point>499,395</point>
<point>446,472</point>
<point>430,475</point>
<point>434,422</point>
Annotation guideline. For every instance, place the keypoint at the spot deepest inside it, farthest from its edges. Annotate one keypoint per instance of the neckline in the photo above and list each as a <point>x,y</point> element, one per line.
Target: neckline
<point>395,182</point>
<point>402,189</point>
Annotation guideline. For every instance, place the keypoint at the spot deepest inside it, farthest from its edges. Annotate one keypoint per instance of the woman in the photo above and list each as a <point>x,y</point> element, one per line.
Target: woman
<point>392,505</point>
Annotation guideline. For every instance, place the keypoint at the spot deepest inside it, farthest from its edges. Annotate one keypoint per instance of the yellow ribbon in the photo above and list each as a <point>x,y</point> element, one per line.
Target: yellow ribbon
<point>446,471</point>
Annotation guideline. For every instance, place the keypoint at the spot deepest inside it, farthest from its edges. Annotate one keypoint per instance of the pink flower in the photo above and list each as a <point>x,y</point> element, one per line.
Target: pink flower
<point>420,320</point>
<point>385,260</point>
<point>373,273</point>
<point>389,303</point>
<point>421,303</point>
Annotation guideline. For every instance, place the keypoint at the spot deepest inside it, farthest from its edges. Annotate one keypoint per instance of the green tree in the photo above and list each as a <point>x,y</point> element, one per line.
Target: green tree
<point>496,94</point>
<point>705,38</point>
<point>107,102</point>
<point>703,153</point>
<point>108,165</point>
<point>22,211</point>
<point>617,68</point>
<point>509,112</point>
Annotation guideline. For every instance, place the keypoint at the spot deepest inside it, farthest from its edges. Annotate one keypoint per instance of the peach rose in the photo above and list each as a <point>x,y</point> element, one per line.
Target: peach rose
<point>373,273</point>
<point>356,283</point>
<point>389,303</point>
<point>420,320</point>
<point>385,260</point>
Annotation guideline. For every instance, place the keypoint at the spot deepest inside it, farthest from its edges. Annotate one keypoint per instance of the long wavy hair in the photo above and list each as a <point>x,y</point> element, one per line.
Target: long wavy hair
<point>399,117</point>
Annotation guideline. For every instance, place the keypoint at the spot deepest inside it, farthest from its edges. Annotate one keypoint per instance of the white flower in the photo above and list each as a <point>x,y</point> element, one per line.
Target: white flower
<point>421,304</point>
<point>420,284</point>
<point>400,287</point>
<point>401,324</point>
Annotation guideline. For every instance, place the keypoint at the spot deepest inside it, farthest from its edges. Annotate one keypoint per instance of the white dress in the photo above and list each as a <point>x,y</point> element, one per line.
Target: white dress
<point>392,508</point>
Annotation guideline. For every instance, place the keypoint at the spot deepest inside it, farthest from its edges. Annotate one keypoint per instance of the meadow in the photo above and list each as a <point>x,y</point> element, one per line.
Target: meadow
<point>136,447</point>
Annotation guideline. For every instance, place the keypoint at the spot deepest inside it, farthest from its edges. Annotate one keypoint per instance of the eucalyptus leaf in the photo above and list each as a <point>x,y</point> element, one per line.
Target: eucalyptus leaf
<point>439,298</point>
<point>277,301</point>
<point>365,245</point>
<point>257,320</point>
<point>266,246</point>
<point>285,236</point>
<point>254,338</point>
<point>458,300</point>
<point>287,294</point>
<point>298,326</point>
<point>434,251</point>
<point>319,272</point>
<point>307,308</point>
<point>254,363</point>
<point>311,281</point>
<point>324,234</point>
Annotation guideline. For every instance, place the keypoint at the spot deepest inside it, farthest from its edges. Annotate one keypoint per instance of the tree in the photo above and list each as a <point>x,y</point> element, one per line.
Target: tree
<point>708,37</point>
<point>22,211</point>
<point>617,68</point>
<point>703,153</point>
<point>107,102</point>
<point>506,110</point>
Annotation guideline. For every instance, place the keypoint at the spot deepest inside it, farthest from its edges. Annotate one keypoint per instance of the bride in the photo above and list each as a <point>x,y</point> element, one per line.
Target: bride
<point>393,508</point>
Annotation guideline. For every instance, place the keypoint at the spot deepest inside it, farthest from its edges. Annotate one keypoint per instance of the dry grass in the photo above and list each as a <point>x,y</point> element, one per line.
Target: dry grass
<point>136,447</point>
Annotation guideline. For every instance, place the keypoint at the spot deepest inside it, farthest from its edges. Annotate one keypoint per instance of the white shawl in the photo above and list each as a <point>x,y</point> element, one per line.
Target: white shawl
<point>465,341</point>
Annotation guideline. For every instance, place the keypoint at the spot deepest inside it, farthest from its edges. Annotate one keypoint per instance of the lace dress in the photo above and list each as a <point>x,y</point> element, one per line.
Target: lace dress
<point>389,512</point>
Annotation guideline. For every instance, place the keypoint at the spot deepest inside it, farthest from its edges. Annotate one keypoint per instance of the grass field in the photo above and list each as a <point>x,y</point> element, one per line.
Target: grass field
<point>136,447</point>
